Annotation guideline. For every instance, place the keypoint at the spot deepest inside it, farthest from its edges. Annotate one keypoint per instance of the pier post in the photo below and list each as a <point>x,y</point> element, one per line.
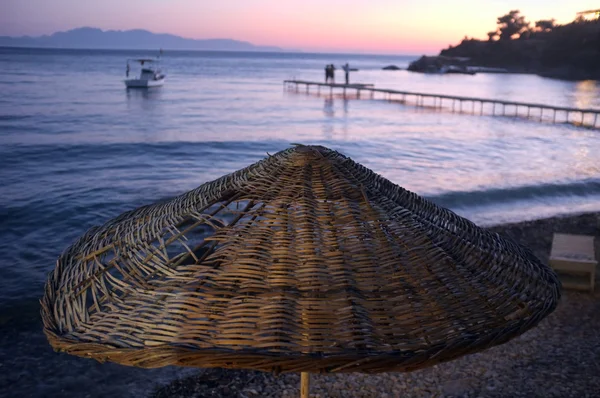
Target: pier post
<point>567,117</point>
<point>595,119</point>
<point>473,107</point>
<point>582,116</point>
<point>503,109</point>
<point>460,106</point>
<point>481,109</point>
<point>357,93</point>
<point>528,111</point>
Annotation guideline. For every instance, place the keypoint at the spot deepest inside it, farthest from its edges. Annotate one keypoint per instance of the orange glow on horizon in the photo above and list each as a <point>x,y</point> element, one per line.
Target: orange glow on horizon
<point>376,26</point>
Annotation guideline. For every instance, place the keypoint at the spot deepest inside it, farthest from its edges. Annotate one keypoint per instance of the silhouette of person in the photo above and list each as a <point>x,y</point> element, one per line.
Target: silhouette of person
<point>327,73</point>
<point>332,74</point>
<point>347,72</point>
<point>127,70</point>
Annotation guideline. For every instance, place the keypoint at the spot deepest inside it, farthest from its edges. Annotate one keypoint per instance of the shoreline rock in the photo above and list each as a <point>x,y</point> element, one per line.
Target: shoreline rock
<point>440,64</point>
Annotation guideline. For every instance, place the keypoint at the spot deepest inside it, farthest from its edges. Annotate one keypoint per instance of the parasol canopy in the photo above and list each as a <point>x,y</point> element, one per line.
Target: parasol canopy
<point>303,262</point>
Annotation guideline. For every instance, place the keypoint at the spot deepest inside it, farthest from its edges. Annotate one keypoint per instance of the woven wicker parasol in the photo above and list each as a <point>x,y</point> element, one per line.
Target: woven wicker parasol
<point>303,262</point>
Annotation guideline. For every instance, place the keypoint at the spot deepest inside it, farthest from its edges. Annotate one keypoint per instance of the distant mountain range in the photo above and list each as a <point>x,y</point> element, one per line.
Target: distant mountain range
<point>137,39</point>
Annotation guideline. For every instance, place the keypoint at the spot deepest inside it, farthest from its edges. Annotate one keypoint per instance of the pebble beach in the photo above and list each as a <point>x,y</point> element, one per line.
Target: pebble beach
<point>558,358</point>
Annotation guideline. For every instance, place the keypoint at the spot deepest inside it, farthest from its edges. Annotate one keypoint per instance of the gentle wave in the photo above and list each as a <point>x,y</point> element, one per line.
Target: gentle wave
<point>517,194</point>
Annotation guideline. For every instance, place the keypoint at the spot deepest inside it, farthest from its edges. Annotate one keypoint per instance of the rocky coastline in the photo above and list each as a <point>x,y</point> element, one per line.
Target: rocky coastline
<point>567,52</point>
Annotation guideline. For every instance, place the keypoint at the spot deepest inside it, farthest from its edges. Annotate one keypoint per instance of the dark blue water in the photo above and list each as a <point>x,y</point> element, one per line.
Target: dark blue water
<point>76,149</point>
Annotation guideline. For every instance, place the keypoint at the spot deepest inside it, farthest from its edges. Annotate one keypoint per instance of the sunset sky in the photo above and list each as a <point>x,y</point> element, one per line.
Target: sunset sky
<point>372,26</point>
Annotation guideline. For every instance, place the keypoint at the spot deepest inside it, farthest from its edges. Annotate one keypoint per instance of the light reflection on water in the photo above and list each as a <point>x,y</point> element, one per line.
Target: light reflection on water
<point>585,94</point>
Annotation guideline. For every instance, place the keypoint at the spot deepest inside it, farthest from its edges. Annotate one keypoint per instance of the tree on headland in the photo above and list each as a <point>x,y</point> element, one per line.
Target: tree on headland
<point>511,24</point>
<point>545,25</point>
<point>492,35</point>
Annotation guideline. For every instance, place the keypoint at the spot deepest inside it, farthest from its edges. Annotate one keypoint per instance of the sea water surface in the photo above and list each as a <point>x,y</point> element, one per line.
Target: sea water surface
<point>77,148</point>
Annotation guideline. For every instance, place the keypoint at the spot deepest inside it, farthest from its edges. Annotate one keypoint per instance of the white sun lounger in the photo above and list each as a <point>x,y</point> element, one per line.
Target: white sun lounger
<point>573,258</point>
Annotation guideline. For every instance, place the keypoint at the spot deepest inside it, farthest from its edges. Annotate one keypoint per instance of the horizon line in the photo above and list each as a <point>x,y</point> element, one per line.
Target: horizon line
<point>282,50</point>
<point>276,48</point>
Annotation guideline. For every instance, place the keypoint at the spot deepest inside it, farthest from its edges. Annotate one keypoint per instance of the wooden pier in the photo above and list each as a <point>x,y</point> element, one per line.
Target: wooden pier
<point>478,106</point>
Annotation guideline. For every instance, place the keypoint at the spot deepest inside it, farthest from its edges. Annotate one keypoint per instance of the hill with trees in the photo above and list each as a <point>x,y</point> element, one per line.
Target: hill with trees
<point>570,51</point>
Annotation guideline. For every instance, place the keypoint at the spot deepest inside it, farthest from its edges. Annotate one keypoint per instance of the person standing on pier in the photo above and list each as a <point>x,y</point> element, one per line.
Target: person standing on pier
<point>329,73</point>
<point>332,74</point>
<point>346,69</point>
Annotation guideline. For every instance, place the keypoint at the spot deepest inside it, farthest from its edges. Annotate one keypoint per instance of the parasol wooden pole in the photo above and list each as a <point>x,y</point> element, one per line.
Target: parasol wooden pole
<point>304,385</point>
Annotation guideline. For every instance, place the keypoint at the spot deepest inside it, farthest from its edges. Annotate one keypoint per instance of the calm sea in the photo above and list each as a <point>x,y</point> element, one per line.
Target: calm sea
<point>77,148</point>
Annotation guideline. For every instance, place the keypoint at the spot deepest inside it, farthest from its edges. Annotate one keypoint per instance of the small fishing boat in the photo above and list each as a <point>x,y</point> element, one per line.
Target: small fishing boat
<point>150,74</point>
